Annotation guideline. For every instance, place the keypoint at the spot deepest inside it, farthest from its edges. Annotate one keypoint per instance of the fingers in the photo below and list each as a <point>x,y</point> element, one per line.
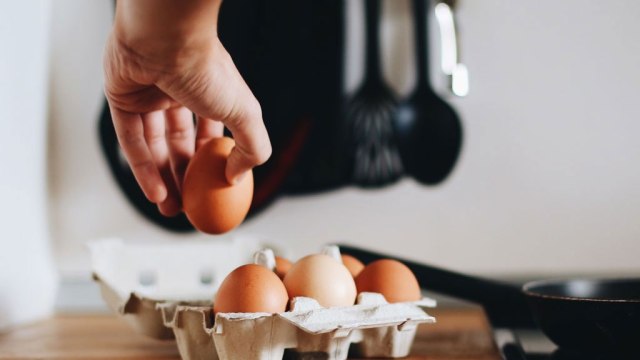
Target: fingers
<point>208,129</point>
<point>154,134</point>
<point>180,139</point>
<point>130,131</point>
<point>215,89</point>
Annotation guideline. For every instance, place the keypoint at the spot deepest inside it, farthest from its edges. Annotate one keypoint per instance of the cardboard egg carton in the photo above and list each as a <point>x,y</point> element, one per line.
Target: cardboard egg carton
<point>136,279</point>
<point>379,329</point>
<point>165,291</point>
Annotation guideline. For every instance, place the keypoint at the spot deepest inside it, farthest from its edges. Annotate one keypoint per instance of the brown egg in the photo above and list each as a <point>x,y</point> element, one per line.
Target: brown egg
<point>391,278</point>
<point>251,288</point>
<point>211,204</point>
<point>282,266</point>
<point>354,265</point>
<point>322,278</point>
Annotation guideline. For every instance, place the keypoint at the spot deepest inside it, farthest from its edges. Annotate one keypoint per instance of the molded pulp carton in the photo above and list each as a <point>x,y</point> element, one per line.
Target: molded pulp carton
<point>378,329</point>
<point>137,278</point>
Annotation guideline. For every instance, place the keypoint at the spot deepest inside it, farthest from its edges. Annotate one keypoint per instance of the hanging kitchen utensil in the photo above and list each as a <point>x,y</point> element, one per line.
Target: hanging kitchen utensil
<point>373,158</point>
<point>457,74</point>
<point>428,130</point>
<point>582,316</point>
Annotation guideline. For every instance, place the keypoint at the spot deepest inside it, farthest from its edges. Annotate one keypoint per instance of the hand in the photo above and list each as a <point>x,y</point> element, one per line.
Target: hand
<point>163,61</point>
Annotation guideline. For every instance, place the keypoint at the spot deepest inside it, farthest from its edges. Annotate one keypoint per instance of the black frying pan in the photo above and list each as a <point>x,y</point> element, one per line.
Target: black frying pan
<point>583,316</point>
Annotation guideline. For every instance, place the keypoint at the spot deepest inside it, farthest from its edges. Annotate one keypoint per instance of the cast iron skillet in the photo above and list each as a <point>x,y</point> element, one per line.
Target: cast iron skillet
<point>581,316</point>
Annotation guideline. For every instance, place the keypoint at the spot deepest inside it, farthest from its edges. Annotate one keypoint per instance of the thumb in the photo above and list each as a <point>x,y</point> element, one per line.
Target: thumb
<point>252,147</point>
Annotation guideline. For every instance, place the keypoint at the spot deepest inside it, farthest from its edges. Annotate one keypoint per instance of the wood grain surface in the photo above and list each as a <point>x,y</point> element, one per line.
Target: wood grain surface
<point>460,334</point>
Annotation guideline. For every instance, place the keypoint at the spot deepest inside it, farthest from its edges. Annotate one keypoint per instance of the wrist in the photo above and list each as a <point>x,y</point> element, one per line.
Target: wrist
<point>166,29</point>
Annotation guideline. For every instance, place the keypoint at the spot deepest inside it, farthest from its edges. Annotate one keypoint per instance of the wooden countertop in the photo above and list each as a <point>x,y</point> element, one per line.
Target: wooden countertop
<point>460,334</point>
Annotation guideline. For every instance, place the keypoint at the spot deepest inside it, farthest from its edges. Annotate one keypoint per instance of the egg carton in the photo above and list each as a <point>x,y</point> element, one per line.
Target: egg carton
<point>165,291</point>
<point>379,329</point>
<point>136,279</point>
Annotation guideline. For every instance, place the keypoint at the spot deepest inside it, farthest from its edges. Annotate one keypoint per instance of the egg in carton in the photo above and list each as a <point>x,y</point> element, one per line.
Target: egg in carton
<point>380,329</point>
<point>136,279</point>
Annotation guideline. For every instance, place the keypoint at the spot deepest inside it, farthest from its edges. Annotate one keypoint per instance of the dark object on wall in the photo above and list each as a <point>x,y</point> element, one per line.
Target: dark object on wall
<point>372,154</point>
<point>593,317</point>
<point>312,42</point>
<point>428,129</point>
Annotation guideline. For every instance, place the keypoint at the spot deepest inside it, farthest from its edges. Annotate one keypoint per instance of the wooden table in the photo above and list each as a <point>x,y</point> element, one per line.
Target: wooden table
<point>460,334</point>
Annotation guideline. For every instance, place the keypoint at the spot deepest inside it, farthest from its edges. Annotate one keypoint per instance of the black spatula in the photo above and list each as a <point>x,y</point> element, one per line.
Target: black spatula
<point>374,159</point>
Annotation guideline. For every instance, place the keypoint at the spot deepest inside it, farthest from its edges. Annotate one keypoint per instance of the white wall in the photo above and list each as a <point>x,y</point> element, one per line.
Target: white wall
<point>27,273</point>
<point>547,182</point>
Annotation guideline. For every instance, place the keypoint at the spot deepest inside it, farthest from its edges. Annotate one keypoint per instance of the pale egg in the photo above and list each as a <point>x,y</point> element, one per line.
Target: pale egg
<point>322,278</point>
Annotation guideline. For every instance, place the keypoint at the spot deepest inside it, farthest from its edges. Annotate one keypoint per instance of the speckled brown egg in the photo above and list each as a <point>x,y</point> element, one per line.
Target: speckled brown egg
<point>251,288</point>
<point>390,278</point>
<point>211,204</point>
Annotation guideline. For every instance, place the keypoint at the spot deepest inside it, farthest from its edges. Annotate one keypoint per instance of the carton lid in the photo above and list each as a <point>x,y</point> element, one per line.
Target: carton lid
<point>167,271</point>
<point>144,282</point>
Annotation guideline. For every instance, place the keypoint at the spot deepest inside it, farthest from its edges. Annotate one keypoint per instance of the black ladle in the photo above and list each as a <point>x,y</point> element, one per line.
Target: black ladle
<point>428,129</point>
<point>598,317</point>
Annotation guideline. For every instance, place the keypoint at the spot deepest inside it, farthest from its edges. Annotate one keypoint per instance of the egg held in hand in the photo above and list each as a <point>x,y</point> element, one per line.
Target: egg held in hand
<point>391,278</point>
<point>322,278</point>
<point>211,204</point>
<point>249,289</point>
<point>354,265</point>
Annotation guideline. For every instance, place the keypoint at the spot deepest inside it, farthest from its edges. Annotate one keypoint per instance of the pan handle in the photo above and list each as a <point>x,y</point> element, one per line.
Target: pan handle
<point>504,303</point>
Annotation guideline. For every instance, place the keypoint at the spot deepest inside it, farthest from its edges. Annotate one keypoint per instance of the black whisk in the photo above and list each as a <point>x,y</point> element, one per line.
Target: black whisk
<point>374,158</point>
